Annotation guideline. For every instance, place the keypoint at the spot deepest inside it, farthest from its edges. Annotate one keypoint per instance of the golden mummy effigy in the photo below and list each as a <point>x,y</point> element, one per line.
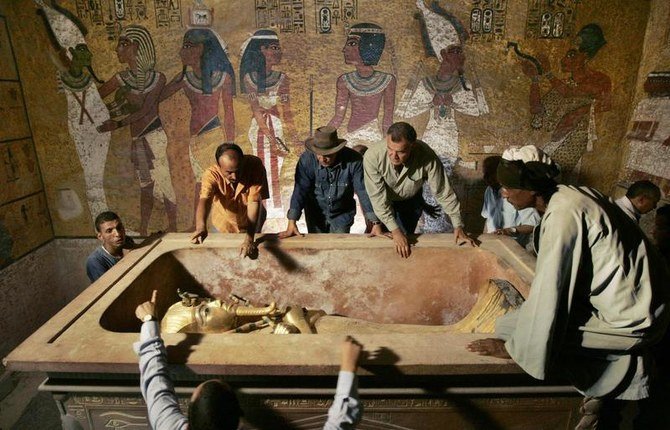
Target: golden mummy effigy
<point>195,314</point>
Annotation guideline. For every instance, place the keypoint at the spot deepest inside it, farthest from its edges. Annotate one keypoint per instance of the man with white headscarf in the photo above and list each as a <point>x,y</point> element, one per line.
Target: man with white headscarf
<point>599,299</point>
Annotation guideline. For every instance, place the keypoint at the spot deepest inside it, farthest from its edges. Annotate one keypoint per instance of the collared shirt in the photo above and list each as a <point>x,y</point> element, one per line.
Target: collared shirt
<point>229,206</point>
<point>328,192</point>
<point>385,185</point>
<point>627,206</point>
<point>499,213</point>
<point>599,299</point>
<point>163,404</point>
<point>100,260</point>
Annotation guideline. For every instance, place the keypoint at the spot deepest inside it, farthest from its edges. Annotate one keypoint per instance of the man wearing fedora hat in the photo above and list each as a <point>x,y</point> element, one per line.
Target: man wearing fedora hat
<point>395,172</point>
<point>326,178</point>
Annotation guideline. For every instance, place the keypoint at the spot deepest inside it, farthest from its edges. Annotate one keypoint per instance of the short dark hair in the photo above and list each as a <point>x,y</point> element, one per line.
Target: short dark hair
<point>400,131</point>
<point>644,188</point>
<point>104,217</point>
<point>216,408</point>
<point>228,146</point>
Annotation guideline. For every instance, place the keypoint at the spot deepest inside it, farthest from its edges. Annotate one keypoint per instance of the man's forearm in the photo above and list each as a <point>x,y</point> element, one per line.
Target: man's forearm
<point>202,212</point>
<point>253,210</point>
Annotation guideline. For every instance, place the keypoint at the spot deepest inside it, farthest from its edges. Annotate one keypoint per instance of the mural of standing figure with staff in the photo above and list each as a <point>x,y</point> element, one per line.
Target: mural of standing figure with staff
<point>85,108</point>
<point>137,91</point>
<point>269,96</point>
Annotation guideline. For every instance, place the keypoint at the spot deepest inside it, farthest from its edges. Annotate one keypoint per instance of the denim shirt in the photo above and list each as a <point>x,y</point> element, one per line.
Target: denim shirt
<point>327,193</point>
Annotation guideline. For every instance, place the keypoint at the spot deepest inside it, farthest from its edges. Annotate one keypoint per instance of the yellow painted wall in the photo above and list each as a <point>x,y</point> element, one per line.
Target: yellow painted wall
<point>505,87</point>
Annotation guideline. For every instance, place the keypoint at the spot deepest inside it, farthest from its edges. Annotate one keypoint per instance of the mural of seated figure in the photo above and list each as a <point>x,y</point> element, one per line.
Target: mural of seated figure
<point>195,314</point>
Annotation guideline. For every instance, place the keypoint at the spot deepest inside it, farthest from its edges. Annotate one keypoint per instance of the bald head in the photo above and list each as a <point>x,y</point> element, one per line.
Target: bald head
<point>229,158</point>
<point>229,164</point>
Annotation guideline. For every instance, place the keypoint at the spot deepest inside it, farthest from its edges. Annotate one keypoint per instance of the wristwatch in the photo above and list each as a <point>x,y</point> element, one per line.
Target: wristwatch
<point>148,317</point>
<point>513,231</point>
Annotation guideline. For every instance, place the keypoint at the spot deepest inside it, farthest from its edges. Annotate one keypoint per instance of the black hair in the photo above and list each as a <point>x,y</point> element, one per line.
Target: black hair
<point>489,167</point>
<point>104,217</point>
<point>215,408</point>
<point>400,131</point>
<point>228,146</point>
<point>645,189</point>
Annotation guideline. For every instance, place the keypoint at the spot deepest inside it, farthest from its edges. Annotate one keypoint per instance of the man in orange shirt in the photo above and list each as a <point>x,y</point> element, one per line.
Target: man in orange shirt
<point>232,190</point>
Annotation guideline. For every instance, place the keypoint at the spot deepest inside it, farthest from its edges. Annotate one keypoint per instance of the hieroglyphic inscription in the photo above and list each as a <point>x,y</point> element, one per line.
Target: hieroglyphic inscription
<point>330,14</point>
<point>19,175</point>
<point>27,222</point>
<point>286,15</point>
<point>7,64</point>
<point>487,20</point>
<point>91,11</point>
<point>12,112</point>
<point>168,13</point>
<point>551,19</point>
<point>113,14</point>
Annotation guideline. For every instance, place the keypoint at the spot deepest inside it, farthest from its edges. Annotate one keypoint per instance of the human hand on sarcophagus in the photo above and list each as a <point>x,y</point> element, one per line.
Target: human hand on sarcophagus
<point>490,346</point>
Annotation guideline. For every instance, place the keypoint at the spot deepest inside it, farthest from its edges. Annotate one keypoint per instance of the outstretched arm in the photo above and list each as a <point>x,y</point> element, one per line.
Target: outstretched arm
<point>347,409</point>
<point>228,112</point>
<point>389,105</point>
<point>155,383</point>
<point>175,85</point>
<point>341,101</point>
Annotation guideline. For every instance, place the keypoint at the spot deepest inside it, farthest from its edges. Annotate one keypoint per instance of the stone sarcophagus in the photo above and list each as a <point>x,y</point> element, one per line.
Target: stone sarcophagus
<point>413,316</point>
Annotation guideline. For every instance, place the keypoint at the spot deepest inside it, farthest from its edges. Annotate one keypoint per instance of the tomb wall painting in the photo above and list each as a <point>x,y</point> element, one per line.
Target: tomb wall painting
<point>24,217</point>
<point>306,87</point>
<point>648,138</point>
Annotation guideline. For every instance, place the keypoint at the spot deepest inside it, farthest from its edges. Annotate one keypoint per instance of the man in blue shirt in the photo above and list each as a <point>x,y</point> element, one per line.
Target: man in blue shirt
<point>326,178</point>
<point>115,244</point>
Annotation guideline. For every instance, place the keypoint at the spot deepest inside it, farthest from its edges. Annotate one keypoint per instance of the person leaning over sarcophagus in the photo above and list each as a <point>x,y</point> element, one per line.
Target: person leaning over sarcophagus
<point>599,301</point>
<point>326,178</point>
<point>233,190</point>
<point>395,171</point>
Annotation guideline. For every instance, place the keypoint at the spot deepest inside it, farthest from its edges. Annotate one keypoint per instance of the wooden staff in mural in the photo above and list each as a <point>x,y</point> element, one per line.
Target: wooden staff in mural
<point>137,92</point>
<point>442,94</point>
<point>85,107</point>
<point>568,109</point>
<point>366,88</point>
<point>268,93</point>
<point>209,81</point>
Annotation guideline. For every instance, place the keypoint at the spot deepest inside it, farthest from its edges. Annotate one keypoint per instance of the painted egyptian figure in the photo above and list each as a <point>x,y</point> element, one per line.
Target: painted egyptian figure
<point>365,88</point>
<point>85,107</point>
<point>442,95</point>
<point>137,91</point>
<point>446,92</point>
<point>207,79</point>
<point>268,93</point>
<point>568,109</point>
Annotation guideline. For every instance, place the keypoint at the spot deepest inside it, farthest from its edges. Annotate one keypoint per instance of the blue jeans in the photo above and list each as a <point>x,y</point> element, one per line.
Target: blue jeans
<point>326,227</point>
<point>408,212</point>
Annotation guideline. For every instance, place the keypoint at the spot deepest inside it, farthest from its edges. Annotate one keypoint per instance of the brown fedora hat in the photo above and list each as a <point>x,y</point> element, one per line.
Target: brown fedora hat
<point>325,141</point>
